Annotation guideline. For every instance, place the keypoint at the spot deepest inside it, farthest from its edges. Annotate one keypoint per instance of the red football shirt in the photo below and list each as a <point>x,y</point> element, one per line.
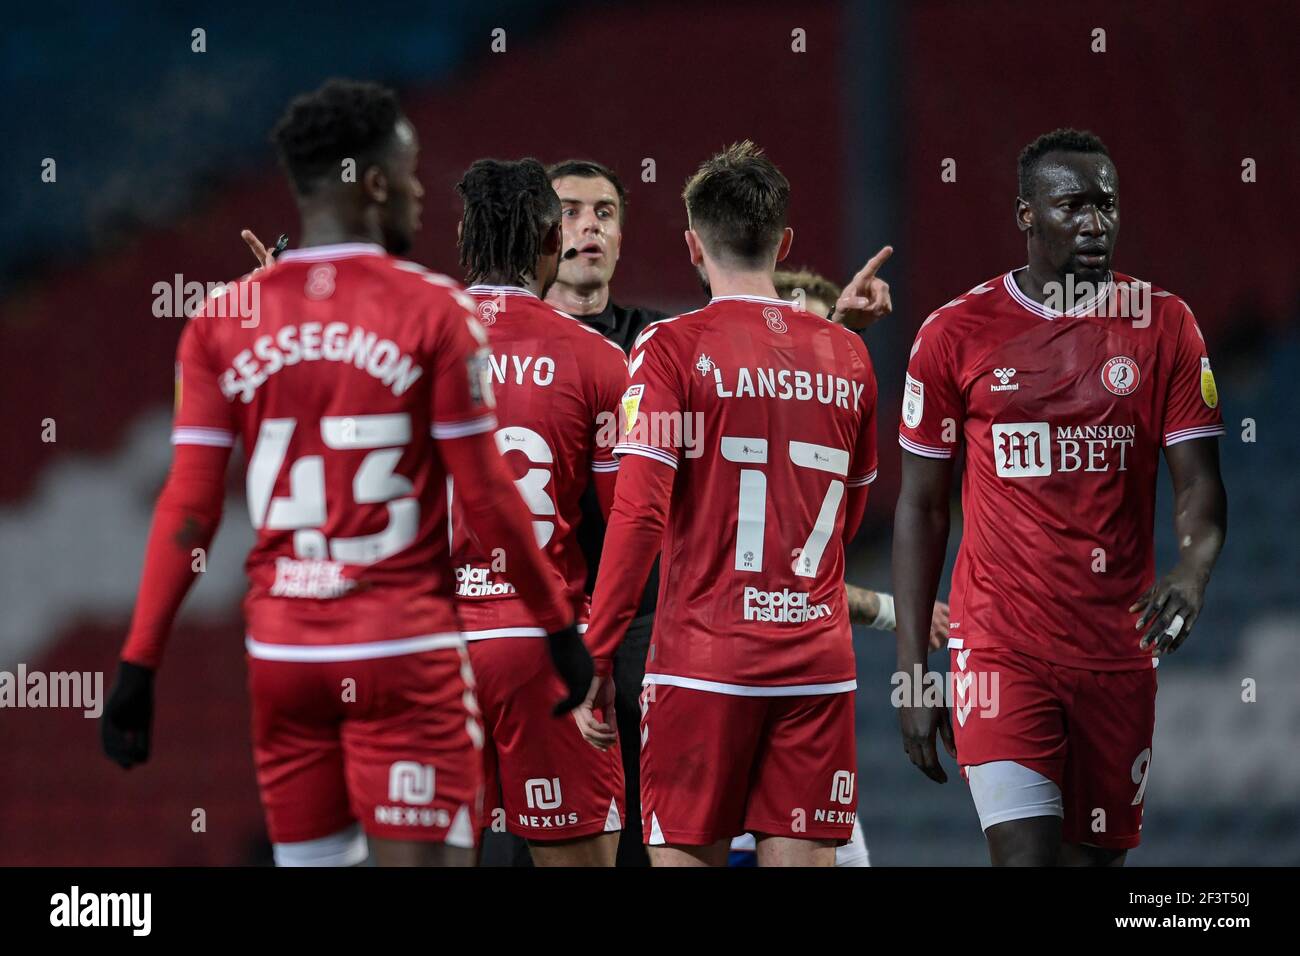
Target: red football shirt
<point>356,364</point>
<point>557,385</point>
<point>1063,417</point>
<point>767,415</point>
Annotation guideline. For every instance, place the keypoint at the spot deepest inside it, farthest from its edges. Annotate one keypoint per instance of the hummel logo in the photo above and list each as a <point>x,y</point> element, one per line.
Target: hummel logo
<point>704,365</point>
<point>1004,376</point>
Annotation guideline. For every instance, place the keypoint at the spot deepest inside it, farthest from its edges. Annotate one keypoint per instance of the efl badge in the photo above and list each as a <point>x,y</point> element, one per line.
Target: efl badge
<point>1209,391</point>
<point>913,402</point>
<point>1120,375</point>
<point>631,404</point>
<point>480,379</point>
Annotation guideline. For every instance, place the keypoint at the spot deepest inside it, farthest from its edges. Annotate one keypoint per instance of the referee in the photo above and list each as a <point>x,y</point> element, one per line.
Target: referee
<point>594,205</point>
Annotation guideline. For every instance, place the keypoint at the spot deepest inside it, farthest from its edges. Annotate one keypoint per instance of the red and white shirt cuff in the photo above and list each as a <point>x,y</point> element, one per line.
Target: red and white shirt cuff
<point>468,426</point>
<point>669,458</point>
<point>925,451</point>
<point>202,435</point>
<point>1198,431</point>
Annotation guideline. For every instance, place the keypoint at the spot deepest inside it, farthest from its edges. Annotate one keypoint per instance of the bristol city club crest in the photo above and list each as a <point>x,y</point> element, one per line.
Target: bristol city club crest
<point>1120,375</point>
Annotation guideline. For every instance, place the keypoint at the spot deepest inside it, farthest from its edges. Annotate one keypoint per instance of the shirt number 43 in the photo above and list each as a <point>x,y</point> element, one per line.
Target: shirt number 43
<point>303,510</point>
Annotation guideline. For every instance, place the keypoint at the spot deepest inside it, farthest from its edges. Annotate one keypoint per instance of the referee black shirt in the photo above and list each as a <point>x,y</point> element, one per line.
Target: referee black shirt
<point>621,325</point>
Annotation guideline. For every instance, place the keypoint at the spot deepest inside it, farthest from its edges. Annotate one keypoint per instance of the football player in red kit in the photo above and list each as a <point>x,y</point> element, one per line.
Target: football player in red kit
<point>1064,380</point>
<point>557,385</point>
<point>748,444</point>
<point>363,384</point>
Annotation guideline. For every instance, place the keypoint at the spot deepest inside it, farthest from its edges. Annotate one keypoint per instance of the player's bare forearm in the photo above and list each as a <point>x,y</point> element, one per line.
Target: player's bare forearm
<point>920,543</point>
<point>1172,605</point>
<point>1200,503</point>
<point>921,521</point>
<point>864,605</point>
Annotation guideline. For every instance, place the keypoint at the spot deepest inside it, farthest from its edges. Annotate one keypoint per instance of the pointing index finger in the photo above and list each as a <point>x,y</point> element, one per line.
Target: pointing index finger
<point>874,263</point>
<point>255,244</point>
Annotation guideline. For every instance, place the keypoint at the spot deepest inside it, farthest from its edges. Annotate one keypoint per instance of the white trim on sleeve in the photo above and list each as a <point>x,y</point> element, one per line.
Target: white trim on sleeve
<point>605,465</point>
<point>202,435</point>
<point>926,451</point>
<point>862,480</point>
<point>472,426</point>
<point>1201,431</point>
<point>646,451</point>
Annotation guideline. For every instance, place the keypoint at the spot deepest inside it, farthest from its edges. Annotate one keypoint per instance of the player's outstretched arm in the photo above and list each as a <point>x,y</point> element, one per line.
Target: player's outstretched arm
<point>920,542</point>
<point>877,609</point>
<point>184,522</point>
<point>1171,606</point>
<point>864,605</point>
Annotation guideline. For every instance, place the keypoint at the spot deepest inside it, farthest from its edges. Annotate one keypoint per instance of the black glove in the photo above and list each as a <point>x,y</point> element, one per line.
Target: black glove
<point>124,727</point>
<point>573,664</point>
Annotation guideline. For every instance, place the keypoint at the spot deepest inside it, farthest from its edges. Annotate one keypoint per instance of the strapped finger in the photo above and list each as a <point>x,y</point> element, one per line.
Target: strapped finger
<point>1157,633</point>
<point>1175,626</point>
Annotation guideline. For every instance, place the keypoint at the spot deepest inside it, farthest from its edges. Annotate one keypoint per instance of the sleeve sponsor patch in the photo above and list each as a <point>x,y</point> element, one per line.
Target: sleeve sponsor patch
<point>631,405</point>
<point>480,379</point>
<point>1209,391</point>
<point>913,402</point>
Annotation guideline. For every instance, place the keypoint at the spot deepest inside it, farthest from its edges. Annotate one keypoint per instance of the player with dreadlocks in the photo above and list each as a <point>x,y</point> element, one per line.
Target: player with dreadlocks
<point>557,384</point>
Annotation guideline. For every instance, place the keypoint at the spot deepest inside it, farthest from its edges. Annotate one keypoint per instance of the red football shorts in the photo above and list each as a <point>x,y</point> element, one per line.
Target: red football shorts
<point>543,780</point>
<point>717,765</point>
<point>392,742</point>
<point>1089,732</point>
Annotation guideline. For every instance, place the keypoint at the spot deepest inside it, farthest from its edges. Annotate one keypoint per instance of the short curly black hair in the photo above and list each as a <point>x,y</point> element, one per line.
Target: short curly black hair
<point>1062,140</point>
<point>343,119</point>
